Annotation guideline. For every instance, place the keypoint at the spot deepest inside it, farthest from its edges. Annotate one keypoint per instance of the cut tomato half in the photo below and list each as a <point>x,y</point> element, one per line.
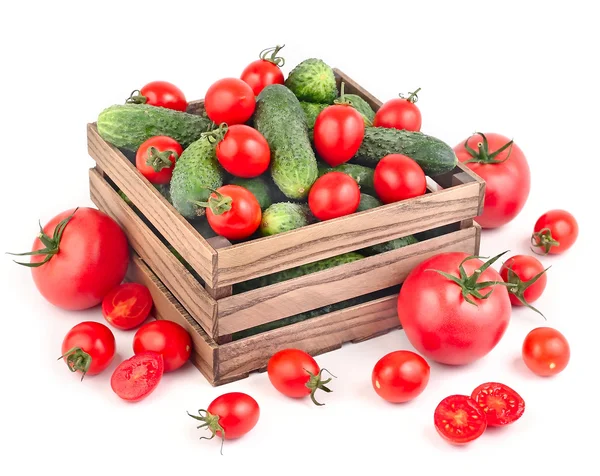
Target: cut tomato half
<point>136,378</point>
<point>127,306</point>
<point>500,403</point>
<point>459,420</point>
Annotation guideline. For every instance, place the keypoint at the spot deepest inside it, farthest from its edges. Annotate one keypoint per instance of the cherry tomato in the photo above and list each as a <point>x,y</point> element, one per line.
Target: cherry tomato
<point>546,351</point>
<point>459,420</point>
<point>400,376</point>
<point>155,158</point>
<point>398,177</point>
<point>127,305</point>
<point>554,232</point>
<point>89,348</point>
<point>137,377</point>
<point>503,166</point>
<point>400,113</point>
<point>333,195</point>
<point>167,338</point>
<point>160,94</point>
<point>500,403</point>
<point>296,374</point>
<point>264,71</point>
<point>233,212</point>
<point>529,276</point>
<point>243,152</point>
<point>229,100</point>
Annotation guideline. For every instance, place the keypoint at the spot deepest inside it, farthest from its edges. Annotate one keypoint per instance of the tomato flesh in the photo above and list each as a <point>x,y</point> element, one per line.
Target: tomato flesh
<point>127,305</point>
<point>500,403</point>
<point>136,378</point>
<point>459,420</point>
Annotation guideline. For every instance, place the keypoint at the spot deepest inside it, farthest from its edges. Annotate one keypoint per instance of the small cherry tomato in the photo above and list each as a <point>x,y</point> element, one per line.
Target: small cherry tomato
<point>243,151</point>
<point>127,305</point>
<point>459,420</point>
<point>398,177</point>
<point>400,376</point>
<point>554,232</point>
<point>155,158</point>
<point>500,403</point>
<point>160,94</point>
<point>167,338</point>
<point>229,100</point>
<point>89,348</point>
<point>137,377</point>
<point>400,113</point>
<point>529,278</point>
<point>546,351</point>
<point>264,71</point>
<point>333,195</point>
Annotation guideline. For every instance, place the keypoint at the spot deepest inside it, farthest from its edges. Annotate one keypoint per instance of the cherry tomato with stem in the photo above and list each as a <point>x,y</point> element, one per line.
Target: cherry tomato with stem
<point>160,94</point>
<point>333,195</point>
<point>127,305</point>
<point>89,348</point>
<point>398,177</point>
<point>546,351</point>
<point>400,113</point>
<point>500,403</point>
<point>459,420</point>
<point>264,71</point>
<point>400,376</point>
<point>241,150</point>
<point>229,100</point>
<point>166,338</point>
<point>137,377</point>
<point>554,232</point>
<point>155,158</point>
<point>528,279</point>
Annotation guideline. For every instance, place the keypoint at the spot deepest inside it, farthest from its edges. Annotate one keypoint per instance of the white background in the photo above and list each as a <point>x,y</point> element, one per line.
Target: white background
<point>521,70</point>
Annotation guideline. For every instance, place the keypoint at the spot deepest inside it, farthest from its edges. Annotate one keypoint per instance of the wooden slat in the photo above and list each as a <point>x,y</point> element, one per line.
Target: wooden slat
<point>359,230</point>
<point>352,87</point>
<point>169,223</point>
<point>270,303</point>
<point>170,270</point>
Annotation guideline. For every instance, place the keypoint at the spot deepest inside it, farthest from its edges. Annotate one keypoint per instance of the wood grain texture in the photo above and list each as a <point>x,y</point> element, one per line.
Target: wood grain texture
<point>195,107</point>
<point>164,263</point>
<point>174,227</point>
<point>270,303</point>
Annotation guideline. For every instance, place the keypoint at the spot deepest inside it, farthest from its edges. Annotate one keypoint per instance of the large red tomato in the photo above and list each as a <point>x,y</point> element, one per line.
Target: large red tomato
<point>78,257</point>
<point>503,166</point>
<point>454,308</point>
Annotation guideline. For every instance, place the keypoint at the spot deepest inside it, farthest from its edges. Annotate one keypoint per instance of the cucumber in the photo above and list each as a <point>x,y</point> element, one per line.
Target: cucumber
<point>128,125</point>
<point>313,81</point>
<point>195,173</point>
<point>284,216</point>
<point>259,188</point>
<point>363,107</point>
<point>367,202</point>
<point>361,174</point>
<point>434,156</point>
<point>280,119</point>
<point>390,245</point>
<point>311,111</point>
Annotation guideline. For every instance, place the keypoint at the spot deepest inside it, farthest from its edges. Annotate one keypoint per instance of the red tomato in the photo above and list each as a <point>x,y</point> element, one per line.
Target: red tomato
<point>459,420</point>
<point>78,257</point>
<point>233,212</point>
<point>243,152</point>
<point>161,94</point>
<point>230,101</point>
<point>155,158</point>
<point>338,132</point>
<point>400,376</point>
<point>398,177</point>
<point>529,277</point>
<point>167,338</point>
<point>448,311</point>
<point>400,113</point>
<point>264,71</point>
<point>89,348</point>
<point>127,305</point>
<point>333,195</point>
<point>503,166</point>
<point>546,351</point>
<point>137,377</point>
<point>554,232</point>
<point>296,374</point>
<point>500,403</point>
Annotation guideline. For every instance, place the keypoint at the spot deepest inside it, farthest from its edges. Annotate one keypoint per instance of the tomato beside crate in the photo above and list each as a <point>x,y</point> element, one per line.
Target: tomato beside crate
<point>235,333</point>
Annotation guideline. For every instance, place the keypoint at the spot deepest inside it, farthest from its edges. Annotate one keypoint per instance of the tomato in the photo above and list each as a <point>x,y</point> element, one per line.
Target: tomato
<point>296,374</point>
<point>554,232</point>
<point>264,71</point>
<point>400,376</point>
<point>167,338</point>
<point>338,132</point>
<point>503,166</point>
<point>400,113</point>
<point>500,403</point>
<point>448,310</point>
<point>155,158</point>
<point>459,420</point>
<point>89,348</point>
<point>546,351</point>
<point>229,416</point>
<point>233,212</point>
<point>333,195</point>
<point>230,101</point>
<point>243,151</point>
<point>78,257</point>
<point>127,305</point>
<point>398,177</point>
<point>161,94</point>
<point>137,377</point>
<point>529,277</point>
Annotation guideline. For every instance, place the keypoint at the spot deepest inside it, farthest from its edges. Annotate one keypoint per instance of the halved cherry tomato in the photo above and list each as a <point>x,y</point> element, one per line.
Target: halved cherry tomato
<point>333,195</point>
<point>400,113</point>
<point>546,351</point>
<point>500,403</point>
<point>137,377</point>
<point>400,376</point>
<point>554,232</point>
<point>127,305</point>
<point>155,158</point>
<point>398,177</point>
<point>529,277</point>
<point>459,420</point>
<point>229,100</point>
<point>264,71</point>
<point>89,348</point>
<point>167,338</point>
<point>160,94</point>
<point>243,151</point>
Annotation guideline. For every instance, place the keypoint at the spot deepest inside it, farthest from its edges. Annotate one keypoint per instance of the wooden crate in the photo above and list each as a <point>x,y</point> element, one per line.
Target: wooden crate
<point>203,299</point>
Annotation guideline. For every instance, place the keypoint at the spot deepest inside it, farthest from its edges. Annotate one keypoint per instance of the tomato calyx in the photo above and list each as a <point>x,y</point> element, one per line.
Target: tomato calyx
<point>211,423</point>
<point>216,135</point>
<point>276,60</point>
<point>77,359</point>
<point>136,97</point>
<point>219,204</point>
<point>482,155</point>
<point>543,240</point>
<point>160,160</point>
<point>413,97</point>
<point>52,244</point>
<point>342,101</point>
<point>519,287</point>
<point>469,285</point>
<point>315,383</point>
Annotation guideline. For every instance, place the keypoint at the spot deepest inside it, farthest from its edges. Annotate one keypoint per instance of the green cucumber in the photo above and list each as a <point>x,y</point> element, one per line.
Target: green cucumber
<point>361,174</point>
<point>284,216</point>
<point>367,202</point>
<point>361,106</point>
<point>390,245</point>
<point>280,119</point>
<point>313,80</point>
<point>259,188</point>
<point>196,172</point>
<point>128,125</point>
<point>311,111</point>
<point>434,156</point>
